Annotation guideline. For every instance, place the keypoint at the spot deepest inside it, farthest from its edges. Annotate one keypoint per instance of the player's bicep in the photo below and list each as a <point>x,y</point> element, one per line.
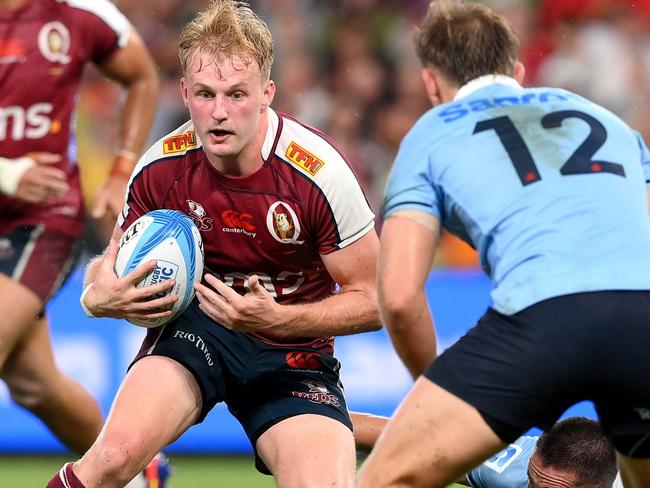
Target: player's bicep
<point>130,63</point>
<point>355,266</point>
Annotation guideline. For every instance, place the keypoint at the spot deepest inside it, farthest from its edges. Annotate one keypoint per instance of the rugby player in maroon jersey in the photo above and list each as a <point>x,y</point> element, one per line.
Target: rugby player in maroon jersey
<point>291,253</point>
<point>44,47</point>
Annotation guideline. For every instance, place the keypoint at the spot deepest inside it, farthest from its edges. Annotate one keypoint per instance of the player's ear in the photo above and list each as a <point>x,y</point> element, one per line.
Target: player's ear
<point>519,73</point>
<point>432,86</point>
<point>268,94</point>
<point>184,91</point>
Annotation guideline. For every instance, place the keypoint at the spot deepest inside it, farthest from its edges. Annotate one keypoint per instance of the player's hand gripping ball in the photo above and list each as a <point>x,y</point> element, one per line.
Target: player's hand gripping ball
<point>171,239</point>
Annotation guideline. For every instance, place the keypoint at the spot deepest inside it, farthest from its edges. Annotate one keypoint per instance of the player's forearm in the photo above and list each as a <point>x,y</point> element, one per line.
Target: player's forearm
<point>367,429</point>
<point>412,333</point>
<point>349,312</point>
<point>137,115</point>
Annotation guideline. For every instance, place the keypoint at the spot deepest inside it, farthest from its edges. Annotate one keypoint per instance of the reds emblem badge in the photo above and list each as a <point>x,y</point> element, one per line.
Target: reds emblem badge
<point>54,42</point>
<point>318,393</point>
<point>283,224</point>
<point>199,216</point>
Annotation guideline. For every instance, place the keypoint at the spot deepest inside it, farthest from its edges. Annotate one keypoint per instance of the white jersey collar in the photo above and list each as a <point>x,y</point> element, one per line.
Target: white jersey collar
<point>271,131</point>
<point>483,81</point>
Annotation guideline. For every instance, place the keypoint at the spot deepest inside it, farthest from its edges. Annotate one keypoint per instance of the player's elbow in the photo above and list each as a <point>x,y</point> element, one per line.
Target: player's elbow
<point>398,301</point>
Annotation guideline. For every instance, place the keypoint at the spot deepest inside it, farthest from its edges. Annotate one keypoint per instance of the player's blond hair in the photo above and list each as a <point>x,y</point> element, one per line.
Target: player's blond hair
<point>225,29</point>
<point>465,41</point>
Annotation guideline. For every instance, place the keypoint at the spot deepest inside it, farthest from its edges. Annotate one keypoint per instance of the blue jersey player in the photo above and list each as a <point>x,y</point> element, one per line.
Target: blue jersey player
<point>551,191</point>
<point>575,452</point>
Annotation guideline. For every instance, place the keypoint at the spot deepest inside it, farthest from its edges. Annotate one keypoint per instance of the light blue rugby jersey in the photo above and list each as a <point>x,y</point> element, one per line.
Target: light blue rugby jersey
<point>532,178</point>
<point>506,469</point>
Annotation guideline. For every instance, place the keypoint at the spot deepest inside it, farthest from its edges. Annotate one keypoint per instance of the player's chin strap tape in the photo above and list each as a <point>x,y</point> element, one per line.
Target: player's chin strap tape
<point>82,301</point>
<point>11,172</point>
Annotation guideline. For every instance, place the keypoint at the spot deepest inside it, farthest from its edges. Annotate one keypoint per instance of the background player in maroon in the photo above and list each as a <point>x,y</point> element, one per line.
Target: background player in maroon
<point>44,47</point>
<point>291,250</point>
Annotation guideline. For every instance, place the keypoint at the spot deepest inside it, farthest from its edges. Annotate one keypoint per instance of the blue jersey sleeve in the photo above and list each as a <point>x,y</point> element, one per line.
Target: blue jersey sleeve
<point>410,185</point>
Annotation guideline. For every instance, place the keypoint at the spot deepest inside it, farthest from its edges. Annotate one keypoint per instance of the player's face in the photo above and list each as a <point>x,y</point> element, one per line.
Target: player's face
<point>227,101</point>
<point>540,476</point>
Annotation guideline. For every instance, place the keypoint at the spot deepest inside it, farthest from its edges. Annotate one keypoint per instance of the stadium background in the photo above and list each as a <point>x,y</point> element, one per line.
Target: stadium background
<point>347,67</point>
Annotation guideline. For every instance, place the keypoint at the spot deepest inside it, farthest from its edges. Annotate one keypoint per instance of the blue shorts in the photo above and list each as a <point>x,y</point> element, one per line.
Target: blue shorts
<point>526,369</point>
<point>262,384</point>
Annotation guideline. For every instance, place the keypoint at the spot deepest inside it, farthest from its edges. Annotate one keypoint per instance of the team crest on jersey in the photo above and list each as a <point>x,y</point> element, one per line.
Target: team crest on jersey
<point>179,143</point>
<point>302,158</point>
<point>199,216</point>
<point>54,42</point>
<point>283,223</point>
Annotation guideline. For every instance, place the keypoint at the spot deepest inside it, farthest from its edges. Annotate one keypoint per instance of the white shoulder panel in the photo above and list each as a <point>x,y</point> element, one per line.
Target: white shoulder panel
<point>317,159</point>
<point>109,13</point>
<point>176,142</point>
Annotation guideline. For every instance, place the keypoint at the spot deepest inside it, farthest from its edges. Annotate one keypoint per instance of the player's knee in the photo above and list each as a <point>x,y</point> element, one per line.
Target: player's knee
<point>29,394</point>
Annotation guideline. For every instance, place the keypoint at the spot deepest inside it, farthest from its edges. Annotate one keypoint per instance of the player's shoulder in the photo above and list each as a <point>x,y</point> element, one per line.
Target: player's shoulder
<point>175,144</point>
<point>308,150</point>
<point>104,10</point>
<point>174,148</point>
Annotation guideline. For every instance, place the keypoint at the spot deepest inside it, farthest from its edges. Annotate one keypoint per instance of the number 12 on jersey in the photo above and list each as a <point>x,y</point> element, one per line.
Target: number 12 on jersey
<point>580,162</point>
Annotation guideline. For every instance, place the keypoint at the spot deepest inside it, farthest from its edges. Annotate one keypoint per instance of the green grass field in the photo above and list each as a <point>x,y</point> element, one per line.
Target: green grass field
<point>189,472</point>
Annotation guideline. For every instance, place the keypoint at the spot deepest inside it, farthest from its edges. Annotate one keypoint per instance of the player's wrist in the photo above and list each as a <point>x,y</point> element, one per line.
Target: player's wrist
<point>82,301</point>
<point>123,164</point>
<point>11,172</point>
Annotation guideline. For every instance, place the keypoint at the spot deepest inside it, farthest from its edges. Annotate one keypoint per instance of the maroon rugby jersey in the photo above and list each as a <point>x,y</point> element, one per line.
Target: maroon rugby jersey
<point>44,48</point>
<point>304,201</point>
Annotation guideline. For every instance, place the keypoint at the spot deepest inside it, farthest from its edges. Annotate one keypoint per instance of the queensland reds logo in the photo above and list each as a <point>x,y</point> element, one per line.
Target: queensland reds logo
<point>197,212</point>
<point>283,224</point>
<point>318,393</point>
<point>54,42</point>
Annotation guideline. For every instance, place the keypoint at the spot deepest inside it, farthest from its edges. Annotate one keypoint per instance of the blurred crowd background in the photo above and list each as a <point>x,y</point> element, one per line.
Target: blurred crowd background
<point>347,67</point>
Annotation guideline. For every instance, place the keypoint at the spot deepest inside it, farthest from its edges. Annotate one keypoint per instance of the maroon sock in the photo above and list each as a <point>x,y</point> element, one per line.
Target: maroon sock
<point>65,478</point>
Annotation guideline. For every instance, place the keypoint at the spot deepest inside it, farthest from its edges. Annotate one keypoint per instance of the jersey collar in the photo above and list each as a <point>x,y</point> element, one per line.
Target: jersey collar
<point>483,81</point>
<point>271,131</point>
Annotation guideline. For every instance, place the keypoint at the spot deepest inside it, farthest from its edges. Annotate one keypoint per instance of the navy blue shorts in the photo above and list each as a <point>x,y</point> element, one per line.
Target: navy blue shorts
<point>262,384</point>
<point>526,369</point>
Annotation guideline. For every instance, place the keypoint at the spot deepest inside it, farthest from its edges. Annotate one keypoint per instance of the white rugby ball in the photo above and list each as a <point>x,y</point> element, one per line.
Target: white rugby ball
<point>171,239</point>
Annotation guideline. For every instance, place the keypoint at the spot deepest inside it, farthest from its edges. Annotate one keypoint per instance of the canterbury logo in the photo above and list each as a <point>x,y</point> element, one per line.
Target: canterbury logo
<point>237,220</point>
<point>304,159</point>
<point>303,360</point>
<point>180,142</point>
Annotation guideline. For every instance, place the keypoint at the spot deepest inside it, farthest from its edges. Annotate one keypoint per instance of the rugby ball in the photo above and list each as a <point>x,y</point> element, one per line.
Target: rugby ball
<point>171,239</point>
